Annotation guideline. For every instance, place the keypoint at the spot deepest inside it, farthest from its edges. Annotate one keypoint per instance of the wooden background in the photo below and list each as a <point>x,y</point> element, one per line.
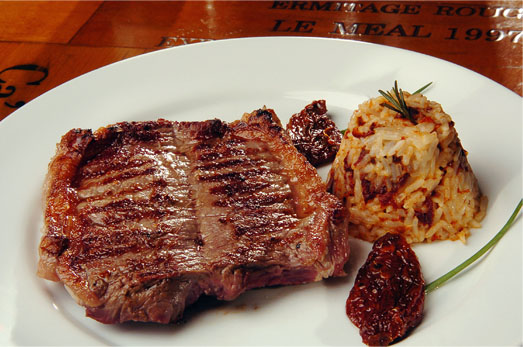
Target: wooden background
<point>44,44</point>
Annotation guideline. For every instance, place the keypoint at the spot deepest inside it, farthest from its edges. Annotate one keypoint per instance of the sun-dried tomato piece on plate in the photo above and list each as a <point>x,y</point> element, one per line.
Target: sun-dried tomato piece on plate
<point>314,134</point>
<point>388,296</point>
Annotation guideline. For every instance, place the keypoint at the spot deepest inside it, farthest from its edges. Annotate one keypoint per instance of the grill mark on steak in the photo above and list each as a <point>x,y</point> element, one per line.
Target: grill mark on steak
<point>148,216</point>
<point>233,176</point>
<point>129,174</point>
<point>253,186</point>
<point>254,201</point>
<point>231,189</point>
<point>261,222</point>
<point>134,212</point>
<point>137,199</point>
<point>211,154</point>
<point>103,169</point>
<point>231,164</point>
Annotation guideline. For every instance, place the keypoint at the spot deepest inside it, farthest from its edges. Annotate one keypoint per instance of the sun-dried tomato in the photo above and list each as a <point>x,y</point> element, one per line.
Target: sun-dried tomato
<point>314,134</point>
<point>388,296</point>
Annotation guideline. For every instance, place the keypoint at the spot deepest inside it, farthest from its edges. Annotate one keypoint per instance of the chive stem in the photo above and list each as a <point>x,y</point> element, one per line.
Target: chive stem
<point>440,281</point>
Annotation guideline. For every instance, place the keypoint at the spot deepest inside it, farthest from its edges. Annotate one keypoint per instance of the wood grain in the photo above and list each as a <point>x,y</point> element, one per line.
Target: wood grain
<point>65,39</point>
<point>62,63</point>
<point>44,21</point>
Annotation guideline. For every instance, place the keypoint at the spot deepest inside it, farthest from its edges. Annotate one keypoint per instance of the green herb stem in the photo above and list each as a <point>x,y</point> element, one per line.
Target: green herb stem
<point>397,101</point>
<point>440,281</point>
<point>422,88</point>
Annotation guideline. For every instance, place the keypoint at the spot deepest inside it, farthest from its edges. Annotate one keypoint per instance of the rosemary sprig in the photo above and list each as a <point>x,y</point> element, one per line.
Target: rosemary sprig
<point>398,104</point>
<point>422,88</point>
<point>397,101</point>
<point>437,283</point>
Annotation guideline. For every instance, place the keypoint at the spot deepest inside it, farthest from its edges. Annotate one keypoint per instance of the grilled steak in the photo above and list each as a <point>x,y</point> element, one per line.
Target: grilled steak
<point>143,218</point>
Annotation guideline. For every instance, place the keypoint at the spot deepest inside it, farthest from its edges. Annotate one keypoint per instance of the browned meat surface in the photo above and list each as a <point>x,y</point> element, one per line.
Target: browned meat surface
<point>388,296</point>
<point>142,218</point>
<point>314,134</point>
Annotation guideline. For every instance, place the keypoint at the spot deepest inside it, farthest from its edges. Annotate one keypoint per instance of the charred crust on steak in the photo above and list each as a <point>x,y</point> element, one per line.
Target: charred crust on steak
<point>56,244</point>
<point>266,118</point>
<point>98,286</point>
<point>214,128</point>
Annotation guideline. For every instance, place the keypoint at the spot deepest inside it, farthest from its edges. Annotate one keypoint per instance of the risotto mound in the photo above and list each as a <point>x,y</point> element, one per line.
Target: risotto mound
<point>406,176</point>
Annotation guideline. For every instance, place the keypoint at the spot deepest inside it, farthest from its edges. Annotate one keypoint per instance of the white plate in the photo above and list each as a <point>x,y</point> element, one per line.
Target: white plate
<point>483,306</point>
